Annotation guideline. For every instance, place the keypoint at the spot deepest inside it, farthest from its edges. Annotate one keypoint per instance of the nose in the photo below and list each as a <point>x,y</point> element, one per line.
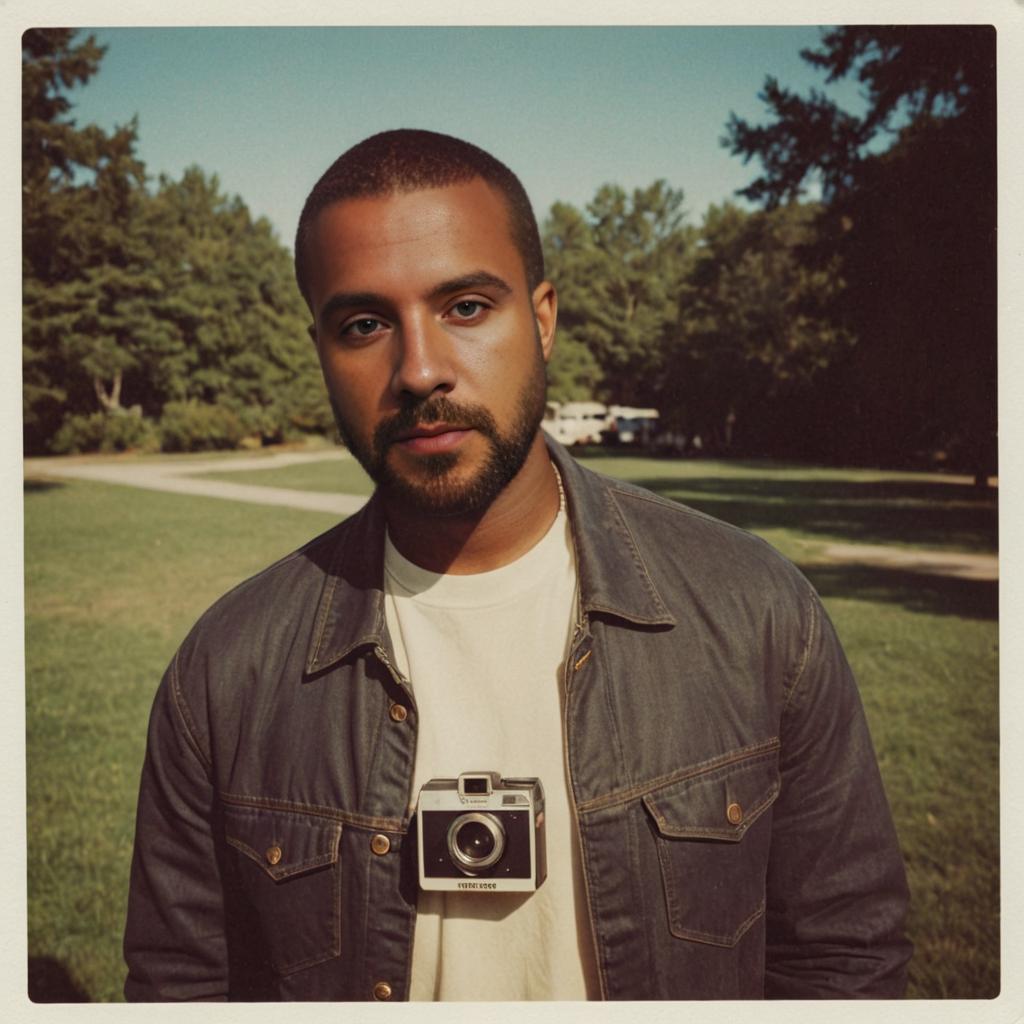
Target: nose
<point>423,361</point>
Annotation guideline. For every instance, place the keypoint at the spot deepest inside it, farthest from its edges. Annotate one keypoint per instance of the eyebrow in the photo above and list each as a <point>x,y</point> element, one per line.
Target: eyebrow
<point>476,279</point>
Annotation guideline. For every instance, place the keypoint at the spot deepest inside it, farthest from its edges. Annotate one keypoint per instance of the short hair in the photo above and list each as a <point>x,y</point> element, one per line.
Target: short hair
<point>409,159</point>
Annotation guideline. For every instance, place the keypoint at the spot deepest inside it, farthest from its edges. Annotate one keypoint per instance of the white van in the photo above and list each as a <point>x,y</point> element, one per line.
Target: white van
<point>576,422</point>
<point>630,425</point>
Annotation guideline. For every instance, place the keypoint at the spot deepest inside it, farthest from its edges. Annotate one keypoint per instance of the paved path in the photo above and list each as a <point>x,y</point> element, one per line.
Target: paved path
<point>180,478</point>
<point>966,565</point>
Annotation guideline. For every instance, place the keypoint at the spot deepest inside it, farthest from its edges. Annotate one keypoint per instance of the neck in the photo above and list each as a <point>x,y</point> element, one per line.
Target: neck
<point>509,527</point>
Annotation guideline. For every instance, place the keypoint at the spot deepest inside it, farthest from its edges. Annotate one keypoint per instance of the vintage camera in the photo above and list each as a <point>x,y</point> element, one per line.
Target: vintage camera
<point>481,833</point>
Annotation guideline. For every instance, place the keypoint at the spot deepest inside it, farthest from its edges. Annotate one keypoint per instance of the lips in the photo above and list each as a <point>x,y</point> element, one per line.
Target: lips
<point>435,426</point>
<point>429,438</point>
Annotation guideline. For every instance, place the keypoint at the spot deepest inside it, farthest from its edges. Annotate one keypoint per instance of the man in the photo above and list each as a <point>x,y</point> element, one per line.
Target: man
<point>716,824</point>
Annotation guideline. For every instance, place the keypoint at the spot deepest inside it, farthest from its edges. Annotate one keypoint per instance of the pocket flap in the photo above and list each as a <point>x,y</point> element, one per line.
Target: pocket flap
<point>282,843</point>
<point>718,804</point>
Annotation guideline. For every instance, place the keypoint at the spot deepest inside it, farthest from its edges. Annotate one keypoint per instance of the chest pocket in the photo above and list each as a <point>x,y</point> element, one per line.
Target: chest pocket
<point>289,869</point>
<point>713,833</point>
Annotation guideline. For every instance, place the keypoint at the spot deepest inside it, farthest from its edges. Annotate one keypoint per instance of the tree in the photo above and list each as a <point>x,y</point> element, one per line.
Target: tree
<point>78,199</point>
<point>914,226</point>
<point>619,267</point>
<point>754,329</point>
<point>230,307</point>
<point>135,300</point>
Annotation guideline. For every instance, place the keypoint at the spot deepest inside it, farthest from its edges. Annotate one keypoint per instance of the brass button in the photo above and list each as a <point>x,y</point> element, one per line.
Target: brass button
<point>382,990</point>
<point>398,712</point>
<point>734,813</point>
<point>380,844</point>
<point>274,855</point>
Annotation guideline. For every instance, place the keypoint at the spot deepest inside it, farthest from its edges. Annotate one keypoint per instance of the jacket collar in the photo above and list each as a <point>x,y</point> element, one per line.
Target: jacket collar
<point>613,576</point>
<point>351,609</point>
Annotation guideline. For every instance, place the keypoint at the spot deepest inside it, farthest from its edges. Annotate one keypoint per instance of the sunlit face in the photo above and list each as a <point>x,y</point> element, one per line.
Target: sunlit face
<point>431,342</point>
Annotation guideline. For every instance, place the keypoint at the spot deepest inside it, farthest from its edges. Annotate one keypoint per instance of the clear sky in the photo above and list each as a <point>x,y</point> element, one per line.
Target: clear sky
<point>568,109</point>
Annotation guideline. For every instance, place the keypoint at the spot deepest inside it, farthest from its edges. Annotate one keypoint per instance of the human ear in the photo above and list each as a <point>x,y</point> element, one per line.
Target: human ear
<point>545,313</point>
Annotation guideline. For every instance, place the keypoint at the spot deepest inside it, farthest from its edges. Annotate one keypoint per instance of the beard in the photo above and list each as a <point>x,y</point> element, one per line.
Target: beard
<point>435,487</point>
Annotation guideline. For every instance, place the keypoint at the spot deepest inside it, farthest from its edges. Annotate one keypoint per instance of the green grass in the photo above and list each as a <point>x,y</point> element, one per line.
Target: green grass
<point>116,576</point>
<point>791,506</point>
<point>330,476</point>
<point>114,579</point>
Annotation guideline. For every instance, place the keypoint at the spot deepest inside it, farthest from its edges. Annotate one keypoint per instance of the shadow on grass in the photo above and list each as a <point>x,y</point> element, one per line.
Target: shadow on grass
<point>925,513</point>
<point>49,982</point>
<point>915,591</point>
<point>33,486</point>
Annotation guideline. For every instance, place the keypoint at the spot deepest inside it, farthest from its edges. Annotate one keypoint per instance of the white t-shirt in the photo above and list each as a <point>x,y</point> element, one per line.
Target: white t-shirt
<point>485,654</point>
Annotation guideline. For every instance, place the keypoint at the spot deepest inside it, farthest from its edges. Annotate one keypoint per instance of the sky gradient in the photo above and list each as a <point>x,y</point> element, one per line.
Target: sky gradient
<point>568,109</point>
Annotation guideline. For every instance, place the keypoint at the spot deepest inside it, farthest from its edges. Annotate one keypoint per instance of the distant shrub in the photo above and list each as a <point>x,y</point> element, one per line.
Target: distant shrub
<point>293,414</point>
<point>116,431</point>
<point>194,427</point>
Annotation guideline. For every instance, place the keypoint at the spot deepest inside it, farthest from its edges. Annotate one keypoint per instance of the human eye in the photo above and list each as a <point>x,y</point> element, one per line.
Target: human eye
<point>361,327</point>
<point>468,310</point>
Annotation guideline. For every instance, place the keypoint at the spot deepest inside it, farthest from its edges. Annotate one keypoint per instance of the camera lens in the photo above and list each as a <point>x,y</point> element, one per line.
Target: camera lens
<point>475,841</point>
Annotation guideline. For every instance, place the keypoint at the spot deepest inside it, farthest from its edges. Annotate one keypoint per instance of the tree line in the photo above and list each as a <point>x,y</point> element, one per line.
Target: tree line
<point>165,318</point>
<point>859,327</point>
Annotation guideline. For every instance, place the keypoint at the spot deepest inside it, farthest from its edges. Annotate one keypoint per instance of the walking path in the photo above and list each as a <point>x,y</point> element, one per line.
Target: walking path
<point>180,477</point>
<point>965,565</point>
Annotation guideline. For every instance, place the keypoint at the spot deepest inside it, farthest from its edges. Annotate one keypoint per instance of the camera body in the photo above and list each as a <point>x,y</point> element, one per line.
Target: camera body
<point>481,833</point>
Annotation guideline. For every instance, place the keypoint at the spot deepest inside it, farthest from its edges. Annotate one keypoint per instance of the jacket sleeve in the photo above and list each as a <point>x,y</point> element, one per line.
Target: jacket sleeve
<point>175,943</point>
<point>837,894</point>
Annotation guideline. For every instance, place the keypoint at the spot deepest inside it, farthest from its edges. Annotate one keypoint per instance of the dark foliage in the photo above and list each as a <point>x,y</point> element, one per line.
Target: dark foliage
<point>914,228</point>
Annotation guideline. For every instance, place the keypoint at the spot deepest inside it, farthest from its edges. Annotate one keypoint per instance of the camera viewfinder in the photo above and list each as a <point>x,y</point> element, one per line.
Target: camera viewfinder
<point>476,785</point>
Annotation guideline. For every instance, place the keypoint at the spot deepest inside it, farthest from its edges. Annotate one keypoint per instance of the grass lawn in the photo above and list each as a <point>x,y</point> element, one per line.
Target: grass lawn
<point>330,477</point>
<point>792,506</point>
<point>115,576</point>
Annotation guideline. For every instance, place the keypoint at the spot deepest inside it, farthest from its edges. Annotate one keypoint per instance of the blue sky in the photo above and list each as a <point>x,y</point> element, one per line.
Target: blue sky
<point>267,109</point>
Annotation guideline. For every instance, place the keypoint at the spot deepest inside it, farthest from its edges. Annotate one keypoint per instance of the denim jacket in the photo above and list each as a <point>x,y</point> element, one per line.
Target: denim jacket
<point>735,838</point>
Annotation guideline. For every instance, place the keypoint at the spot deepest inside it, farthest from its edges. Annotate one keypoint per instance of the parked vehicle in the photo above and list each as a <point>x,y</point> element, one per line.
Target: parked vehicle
<point>630,425</point>
<point>576,422</point>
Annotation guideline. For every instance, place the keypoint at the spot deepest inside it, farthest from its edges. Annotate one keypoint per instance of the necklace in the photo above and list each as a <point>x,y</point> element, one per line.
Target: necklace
<point>561,489</point>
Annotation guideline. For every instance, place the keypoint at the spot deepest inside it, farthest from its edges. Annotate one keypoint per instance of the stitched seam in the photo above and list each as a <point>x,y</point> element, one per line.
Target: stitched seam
<point>677,506</point>
<point>246,849</point>
<point>595,606</point>
<point>711,939</point>
<point>615,739</point>
<point>322,539</point>
<point>601,949</point>
<point>326,603</point>
<point>277,874</point>
<point>623,796</point>
<point>181,706</point>
<point>376,742</point>
<point>321,624</point>
<point>289,870</point>
<point>370,640</point>
<point>805,654</point>
<point>346,817</point>
<point>670,505</point>
<point>633,826</point>
<point>336,922</point>
<point>640,564</point>
<point>715,833</point>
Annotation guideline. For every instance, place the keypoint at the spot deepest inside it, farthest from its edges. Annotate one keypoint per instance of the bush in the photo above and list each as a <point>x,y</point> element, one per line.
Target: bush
<point>115,431</point>
<point>195,427</point>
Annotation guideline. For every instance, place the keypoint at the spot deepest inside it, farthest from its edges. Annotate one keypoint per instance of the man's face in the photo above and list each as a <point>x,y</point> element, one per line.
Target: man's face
<point>431,343</point>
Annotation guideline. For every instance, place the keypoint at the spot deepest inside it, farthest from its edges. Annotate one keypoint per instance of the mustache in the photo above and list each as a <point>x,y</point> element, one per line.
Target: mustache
<point>433,410</point>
